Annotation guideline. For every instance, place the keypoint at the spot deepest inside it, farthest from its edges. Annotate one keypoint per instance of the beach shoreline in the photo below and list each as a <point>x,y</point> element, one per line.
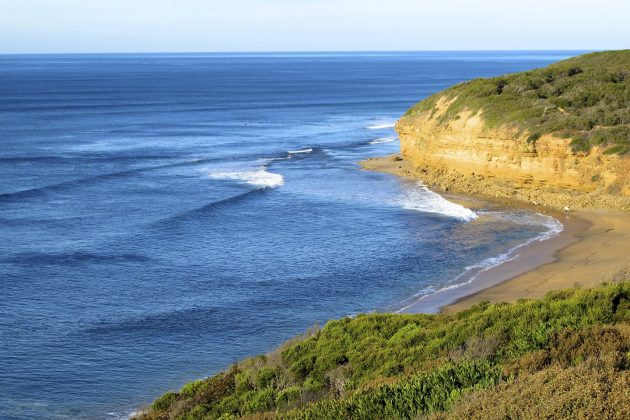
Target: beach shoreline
<point>588,251</point>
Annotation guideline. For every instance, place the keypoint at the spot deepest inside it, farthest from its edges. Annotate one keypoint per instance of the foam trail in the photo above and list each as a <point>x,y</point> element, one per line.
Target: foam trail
<point>382,140</point>
<point>424,200</point>
<point>295,152</point>
<point>124,415</point>
<point>259,178</point>
<point>553,226</point>
<point>381,126</point>
<point>470,273</point>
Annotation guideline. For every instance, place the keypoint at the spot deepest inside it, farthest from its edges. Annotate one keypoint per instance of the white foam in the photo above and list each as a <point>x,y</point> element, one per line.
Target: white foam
<point>382,140</point>
<point>269,160</point>
<point>554,227</point>
<point>259,178</point>
<point>295,152</point>
<point>381,126</point>
<point>471,271</point>
<point>124,416</point>
<point>423,199</point>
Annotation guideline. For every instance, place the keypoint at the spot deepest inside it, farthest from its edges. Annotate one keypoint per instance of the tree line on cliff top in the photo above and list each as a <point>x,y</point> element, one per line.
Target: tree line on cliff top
<point>585,98</point>
<point>490,361</point>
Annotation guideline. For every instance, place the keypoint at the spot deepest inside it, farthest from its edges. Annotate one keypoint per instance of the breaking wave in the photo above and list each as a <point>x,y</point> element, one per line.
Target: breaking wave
<point>259,178</point>
<point>381,126</point>
<point>295,152</point>
<point>382,140</point>
<point>423,199</point>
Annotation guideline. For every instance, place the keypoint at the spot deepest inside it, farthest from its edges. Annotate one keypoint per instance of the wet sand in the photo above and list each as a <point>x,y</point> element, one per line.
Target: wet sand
<point>592,248</point>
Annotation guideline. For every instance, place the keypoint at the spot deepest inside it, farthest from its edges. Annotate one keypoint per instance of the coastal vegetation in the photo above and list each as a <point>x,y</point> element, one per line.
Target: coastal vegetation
<point>585,98</point>
<point>564,356</point>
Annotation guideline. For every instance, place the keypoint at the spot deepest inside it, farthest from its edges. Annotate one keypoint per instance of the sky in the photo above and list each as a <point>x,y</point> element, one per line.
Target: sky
<point>72,26</point>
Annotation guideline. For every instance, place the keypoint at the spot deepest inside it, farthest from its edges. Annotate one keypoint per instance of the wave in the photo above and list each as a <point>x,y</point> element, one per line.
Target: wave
<point>382,140</point>
<point>175,321</point>
<point>129,414</point>
<point>471,272</point>
<point>521,217</point>
<point>32,159</point>
<point>259,178</point>
<point>37,192</point>
<point>381,126</point>
<point>207,208</point>
<point>77,257</point>
<point>60,186</point>
<point>424,200</point>
<point>295,152</point>
<point>78,182</point>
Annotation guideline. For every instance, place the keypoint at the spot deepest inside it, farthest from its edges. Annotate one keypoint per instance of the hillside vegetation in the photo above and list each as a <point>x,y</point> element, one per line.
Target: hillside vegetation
<point>585,98</point>
<point>564,356</point>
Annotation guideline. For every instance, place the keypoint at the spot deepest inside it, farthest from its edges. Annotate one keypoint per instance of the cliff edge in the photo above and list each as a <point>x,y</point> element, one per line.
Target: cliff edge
<point>557,136</point>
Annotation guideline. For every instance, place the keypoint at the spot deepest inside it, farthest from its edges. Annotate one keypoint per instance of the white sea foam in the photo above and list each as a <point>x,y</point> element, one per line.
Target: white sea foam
<point>381,126</point>
<point>382,140</point>
<point>422,199</point>
<point>269,160</point>
<point>295,152</point>
<point>259,178</point>
<point>123,416</point>
<point>554,227</point>
<point>470,273</point>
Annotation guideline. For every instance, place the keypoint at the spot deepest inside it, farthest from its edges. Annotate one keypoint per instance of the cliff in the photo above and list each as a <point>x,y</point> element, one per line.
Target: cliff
<point>509,137</point>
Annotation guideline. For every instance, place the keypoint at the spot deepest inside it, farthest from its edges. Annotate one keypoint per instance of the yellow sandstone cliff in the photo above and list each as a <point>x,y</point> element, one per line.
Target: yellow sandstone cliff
<point>463,155</point>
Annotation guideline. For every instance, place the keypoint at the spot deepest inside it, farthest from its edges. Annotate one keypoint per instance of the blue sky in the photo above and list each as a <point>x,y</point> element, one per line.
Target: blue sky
<point>30,26</point>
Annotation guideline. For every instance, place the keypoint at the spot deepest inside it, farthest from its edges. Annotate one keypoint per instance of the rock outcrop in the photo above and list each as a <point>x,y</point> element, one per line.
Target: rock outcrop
<point>463,154</point>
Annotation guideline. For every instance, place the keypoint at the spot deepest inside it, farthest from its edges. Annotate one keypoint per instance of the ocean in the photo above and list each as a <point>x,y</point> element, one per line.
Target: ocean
<point>165,215</point>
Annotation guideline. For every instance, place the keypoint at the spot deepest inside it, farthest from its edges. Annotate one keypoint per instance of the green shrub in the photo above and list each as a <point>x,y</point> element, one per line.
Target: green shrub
<point>533,138</point>
<point>586,391</point>
<point>288,396</point>
<point>164,402</point>
<point>580,144</point>
<point>258,401</point>
<point>432,391</point>
<point>191,388</point>
<point>265,377</point>
<point>402,366</point>
<point>586,98</point>
<point>616,150</point>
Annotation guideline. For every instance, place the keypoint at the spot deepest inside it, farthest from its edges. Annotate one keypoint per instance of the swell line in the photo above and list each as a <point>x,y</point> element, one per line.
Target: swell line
<point>62,186</point>
<point>210,207</point>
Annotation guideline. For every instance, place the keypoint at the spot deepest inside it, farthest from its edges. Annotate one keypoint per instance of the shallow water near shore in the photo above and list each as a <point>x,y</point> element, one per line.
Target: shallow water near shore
<point>164,216</point>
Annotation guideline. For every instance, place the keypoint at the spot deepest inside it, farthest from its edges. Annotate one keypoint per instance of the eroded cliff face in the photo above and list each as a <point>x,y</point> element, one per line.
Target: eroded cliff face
<point>466,156</point>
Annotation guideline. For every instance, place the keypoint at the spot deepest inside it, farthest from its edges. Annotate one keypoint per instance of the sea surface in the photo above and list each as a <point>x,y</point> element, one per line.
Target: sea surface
<point>162,216</point>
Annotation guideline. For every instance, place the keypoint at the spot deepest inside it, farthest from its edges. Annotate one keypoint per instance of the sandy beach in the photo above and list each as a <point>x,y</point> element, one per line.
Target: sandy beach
<point>592,248</point>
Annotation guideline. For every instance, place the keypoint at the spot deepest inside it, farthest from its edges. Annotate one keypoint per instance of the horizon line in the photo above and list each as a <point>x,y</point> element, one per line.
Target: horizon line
<point>301,52</point>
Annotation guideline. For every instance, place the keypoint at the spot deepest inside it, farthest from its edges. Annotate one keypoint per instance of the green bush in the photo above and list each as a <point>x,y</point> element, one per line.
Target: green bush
<point>533,138</point>
<point>432,391</point>
<point>403,366</point>
<point>191,388</point>
<point>164,402</point>
<point>258,401</point>
<point>616,150</point>
<point>288,396</point>
<point>582,374</point>
<point>586,98</point>
<point>265,377</point>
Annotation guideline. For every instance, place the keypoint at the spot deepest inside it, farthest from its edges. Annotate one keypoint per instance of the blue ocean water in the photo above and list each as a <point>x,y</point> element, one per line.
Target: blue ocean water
<point>163,216</point>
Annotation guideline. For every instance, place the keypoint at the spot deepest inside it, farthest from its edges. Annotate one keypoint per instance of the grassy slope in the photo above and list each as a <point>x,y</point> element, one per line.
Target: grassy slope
<point>504,360</point>
<point>586,98</point>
